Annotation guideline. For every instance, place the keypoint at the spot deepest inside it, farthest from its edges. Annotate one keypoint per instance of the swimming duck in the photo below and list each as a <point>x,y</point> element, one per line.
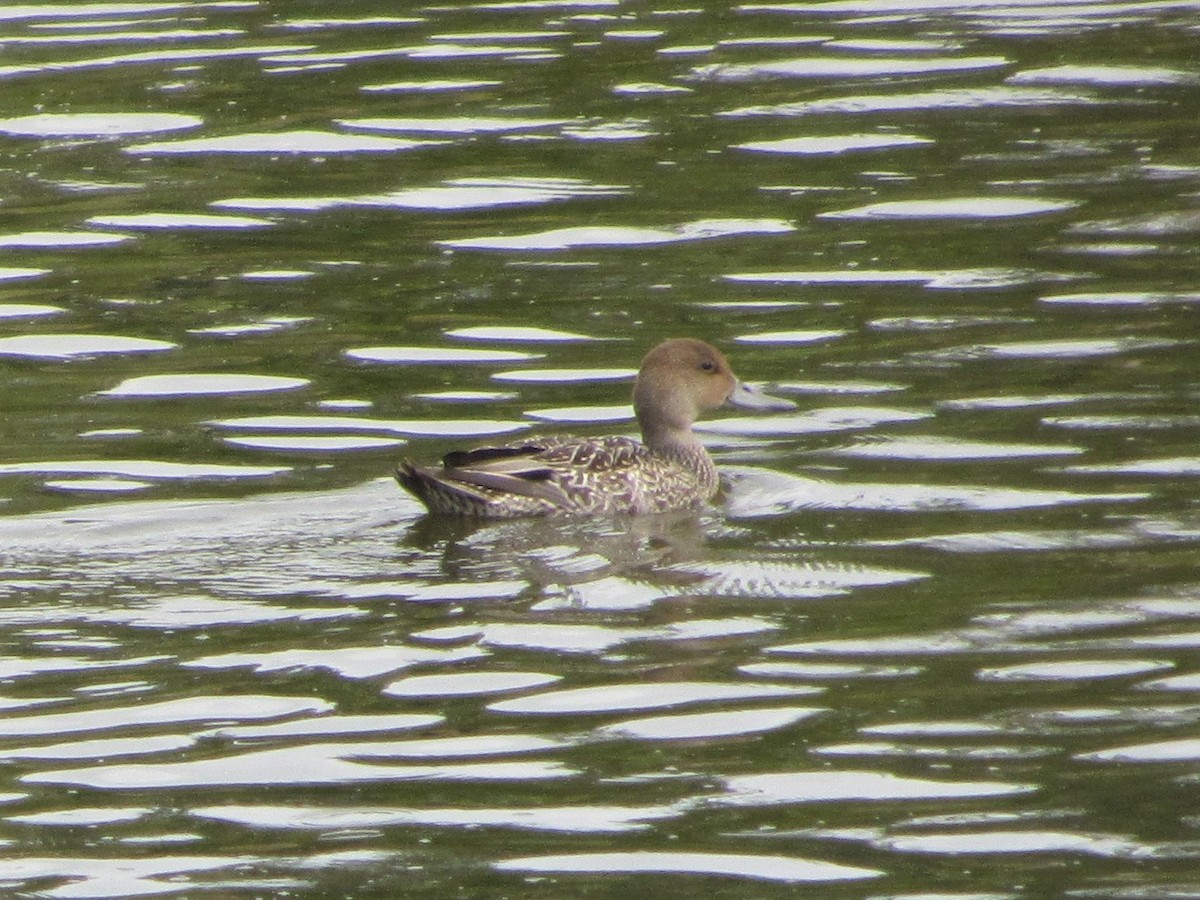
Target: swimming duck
<point>668,469</point>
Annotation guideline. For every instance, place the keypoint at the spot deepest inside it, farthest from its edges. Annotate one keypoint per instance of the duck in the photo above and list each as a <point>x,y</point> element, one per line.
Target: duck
<point>669,469</point>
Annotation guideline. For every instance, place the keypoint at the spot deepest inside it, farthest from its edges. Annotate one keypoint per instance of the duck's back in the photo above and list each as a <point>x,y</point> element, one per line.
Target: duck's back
<point>560,475</point>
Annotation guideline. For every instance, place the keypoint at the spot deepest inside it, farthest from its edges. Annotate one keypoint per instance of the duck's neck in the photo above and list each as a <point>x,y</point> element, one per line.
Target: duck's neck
<point>681,446</point>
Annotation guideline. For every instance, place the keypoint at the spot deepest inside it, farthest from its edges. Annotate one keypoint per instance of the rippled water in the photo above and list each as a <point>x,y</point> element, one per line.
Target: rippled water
<point>937,638</point>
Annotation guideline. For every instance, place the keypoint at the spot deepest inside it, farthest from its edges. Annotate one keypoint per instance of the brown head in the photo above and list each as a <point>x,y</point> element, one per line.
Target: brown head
<point>681,378</point>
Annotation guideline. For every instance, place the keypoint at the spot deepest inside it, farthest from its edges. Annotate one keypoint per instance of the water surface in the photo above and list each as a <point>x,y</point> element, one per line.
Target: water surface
<point>938,636</point>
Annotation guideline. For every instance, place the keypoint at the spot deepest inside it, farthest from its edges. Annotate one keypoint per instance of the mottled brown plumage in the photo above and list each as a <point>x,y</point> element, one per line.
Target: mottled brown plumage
<point>669,469</point>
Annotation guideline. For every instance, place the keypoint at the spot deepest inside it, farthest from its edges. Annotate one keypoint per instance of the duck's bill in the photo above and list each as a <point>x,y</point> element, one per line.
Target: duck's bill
<point>749,397</point>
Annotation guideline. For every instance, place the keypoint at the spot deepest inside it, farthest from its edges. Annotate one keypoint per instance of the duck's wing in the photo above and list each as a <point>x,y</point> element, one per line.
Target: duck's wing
<point>504,481</point>
<point>515,471</point>
<point>547,477</point>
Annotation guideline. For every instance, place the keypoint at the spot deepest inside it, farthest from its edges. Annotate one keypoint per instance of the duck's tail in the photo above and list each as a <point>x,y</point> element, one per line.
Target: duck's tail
<point>439,494</point>
<point>473,490</point>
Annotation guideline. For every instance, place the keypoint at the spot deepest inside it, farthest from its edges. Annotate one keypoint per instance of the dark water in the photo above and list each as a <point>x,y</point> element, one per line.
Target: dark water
<point>937,639</point>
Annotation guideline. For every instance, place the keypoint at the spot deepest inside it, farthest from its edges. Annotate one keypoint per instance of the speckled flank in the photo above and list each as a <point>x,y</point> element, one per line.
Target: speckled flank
<point>565,475</point>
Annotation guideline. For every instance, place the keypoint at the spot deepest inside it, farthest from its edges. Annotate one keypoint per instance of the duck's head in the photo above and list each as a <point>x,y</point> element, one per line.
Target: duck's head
<point>681,378</point>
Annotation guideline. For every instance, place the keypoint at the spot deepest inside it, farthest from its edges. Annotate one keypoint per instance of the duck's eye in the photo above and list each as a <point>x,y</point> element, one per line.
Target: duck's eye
<point>708,366</point>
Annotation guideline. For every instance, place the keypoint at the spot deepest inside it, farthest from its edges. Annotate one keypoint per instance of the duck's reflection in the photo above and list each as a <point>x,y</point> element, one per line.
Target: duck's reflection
<point>617,562</point>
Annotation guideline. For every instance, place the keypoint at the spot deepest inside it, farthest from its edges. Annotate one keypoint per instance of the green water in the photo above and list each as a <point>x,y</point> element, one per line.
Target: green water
<point>935,639</point>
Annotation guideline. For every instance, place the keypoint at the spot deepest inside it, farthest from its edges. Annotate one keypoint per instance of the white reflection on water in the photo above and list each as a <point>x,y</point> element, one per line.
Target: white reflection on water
<point>950,279</point>
<point>167,221</point>
<point>1106,76</point>
<point>944,99</point>
<point>699,726</point>
<point>623,130</point>
<point>1157,224</point>
<point>326,726</point>
<point>313,443</point>
<point>78,346</point>
<point>436,355</point>
<point>1073,669</point>
<point>789,579</point>
<point>1049,349</point>
<point>10,273</point>
<point>953,208</point>
<point>263,326</point>
<point>623,236</point>
<point>826,670</point>
<point>150,57</point>
<point>468,684</point>
<point>570,819</point>
<point>194,384</point>
<point>1128,422</point>
<point>453,195</point>
<point>141,469</point>
<point>1121,298</point>
<point>348,662</point>
<point>942,752</point>
<point>83,817</point>
<point>825,786</point>
<point>97,485</point>
<point>1175,466</point>
<point>454,125</point>
<point>563,376</point>
<point>148,36</point>
<point>805,336</point>
<point>430,85</point>
<point>1007,541</point>
<point>96,124</point>
<point>983,842</point>
<point>187,611</point>
<point>556,638</point>
<point>622,412</point>
<point>942,449</point>
<point>454,397</point>
<point>315,764</point>
<point>166,712</point>
<point>103,748</point>
<point>817,421</point>
<point>310,141</point>
<point>98,877</point>
<point>833,144</point>
<point>1180,750</point>
<point>649,88</point>
<point>518,334</point>
<point>468,50</point>
<point>28,310</point>
<point>1027,401</point>
<point>845,67</point>
<point>50,240</point>
<point>786,869</point>
<point>408,427</point>
<point>624,697</point>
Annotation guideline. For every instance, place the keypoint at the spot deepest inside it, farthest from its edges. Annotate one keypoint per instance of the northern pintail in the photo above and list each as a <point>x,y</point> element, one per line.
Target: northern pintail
<point>668,469</point>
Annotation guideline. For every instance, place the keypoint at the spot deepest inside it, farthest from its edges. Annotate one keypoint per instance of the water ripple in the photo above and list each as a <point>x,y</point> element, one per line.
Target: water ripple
<point>825,786</point>
<point>96,124</point>
<point>833,144</point>
<point>844,67</point>
<point>788,870</point>
<point>287,142</point>
<point>202,384</point>
<point>625,697</point>
<point>623,236</point>
<point>929,639</point>
<point>78,346</point>
<point>568,819</point>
